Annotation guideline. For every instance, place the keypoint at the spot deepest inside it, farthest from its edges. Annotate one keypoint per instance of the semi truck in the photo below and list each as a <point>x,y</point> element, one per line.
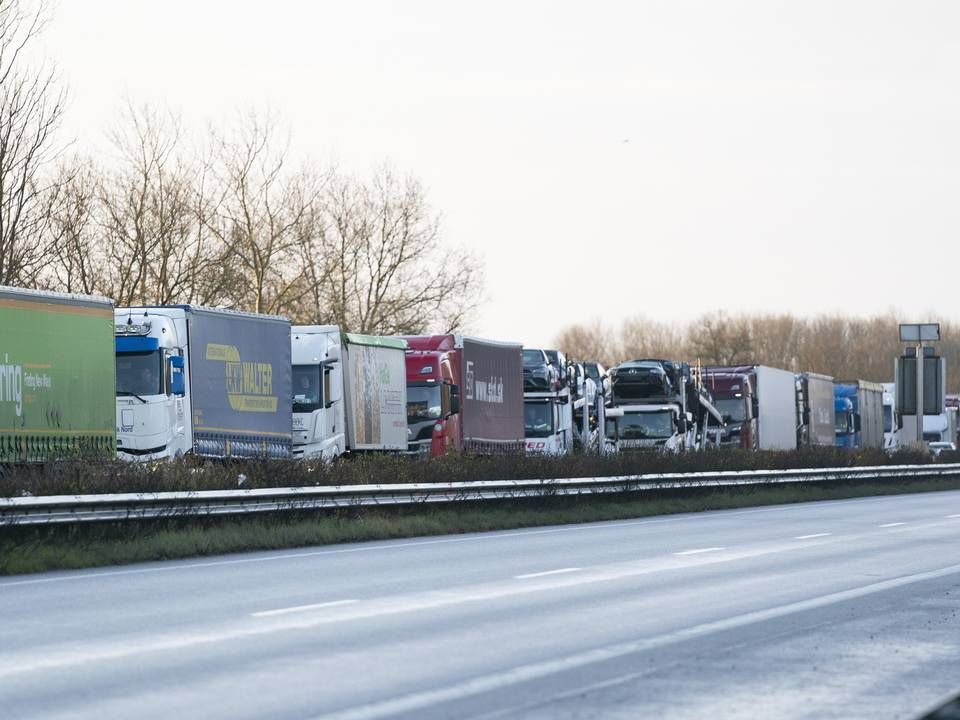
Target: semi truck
<point>658,404</point>
<point>203,381</point>
<point>758,405</point>
<point>548,416</point>
<point>464,395</point>
<point>349,393</point>
<point>858,407</point>
<point>56,375</point>
<point>815,410</point>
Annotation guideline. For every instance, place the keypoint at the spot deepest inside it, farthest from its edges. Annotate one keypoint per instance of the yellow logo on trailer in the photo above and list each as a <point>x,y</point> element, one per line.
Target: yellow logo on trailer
<point>249,384</point>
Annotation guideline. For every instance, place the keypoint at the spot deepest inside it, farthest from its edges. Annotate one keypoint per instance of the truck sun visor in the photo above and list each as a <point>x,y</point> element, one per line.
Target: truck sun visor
<point>137,344</point>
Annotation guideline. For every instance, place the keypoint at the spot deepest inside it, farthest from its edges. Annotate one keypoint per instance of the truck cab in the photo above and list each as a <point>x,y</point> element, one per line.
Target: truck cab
<point>433,396</point>
<point>153,398</point>
<point>733,396</point>
<point>847,422</point>
<point>319,425</point>
<point>547,411</point>
<point>634,427</point>
<point>891,429</point>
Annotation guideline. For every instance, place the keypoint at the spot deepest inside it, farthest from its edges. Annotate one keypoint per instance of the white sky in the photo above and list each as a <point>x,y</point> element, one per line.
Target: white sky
<point>690,156</point>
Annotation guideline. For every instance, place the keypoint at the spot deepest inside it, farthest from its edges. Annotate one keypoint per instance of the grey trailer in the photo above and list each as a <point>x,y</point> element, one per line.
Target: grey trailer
<point>240,383</point>
<point>870,400</point>
<point>816,402</point>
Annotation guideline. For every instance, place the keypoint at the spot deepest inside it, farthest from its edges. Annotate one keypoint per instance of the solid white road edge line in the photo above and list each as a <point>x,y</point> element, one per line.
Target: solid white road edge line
<point>301,608</point>
<point>496,681</point>
<point>697,551</point>
<point>559,571</point>
<point>810,537</point>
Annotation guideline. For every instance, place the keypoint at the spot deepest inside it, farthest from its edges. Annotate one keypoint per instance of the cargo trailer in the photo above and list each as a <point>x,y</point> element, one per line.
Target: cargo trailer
<point>56,375</point>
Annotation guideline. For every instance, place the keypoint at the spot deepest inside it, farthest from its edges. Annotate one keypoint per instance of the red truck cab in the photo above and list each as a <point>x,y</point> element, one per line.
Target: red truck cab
<point>732,392</point>
<point>433,407</point>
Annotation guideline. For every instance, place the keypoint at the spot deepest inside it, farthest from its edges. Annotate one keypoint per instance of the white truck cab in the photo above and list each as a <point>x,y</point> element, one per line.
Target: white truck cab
<point>631,427</point>
<point>319,423</point>
<point>153,401</point>
<point>548,422</point>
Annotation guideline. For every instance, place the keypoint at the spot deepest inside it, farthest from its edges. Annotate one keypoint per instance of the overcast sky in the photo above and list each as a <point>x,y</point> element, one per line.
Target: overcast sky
<point>608,159</point>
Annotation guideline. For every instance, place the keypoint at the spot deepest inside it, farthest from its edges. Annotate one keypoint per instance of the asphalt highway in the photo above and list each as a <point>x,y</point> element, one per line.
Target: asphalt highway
<point>847,609</point>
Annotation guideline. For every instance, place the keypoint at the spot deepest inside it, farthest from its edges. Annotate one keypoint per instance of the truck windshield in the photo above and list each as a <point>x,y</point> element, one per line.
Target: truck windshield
<point>843,424</point>
<point>537,419</point>
<point>139,373</point>
<point>423,403</point>
<point>642,426</point>
<point>732,409</point>
<point>307,388</point>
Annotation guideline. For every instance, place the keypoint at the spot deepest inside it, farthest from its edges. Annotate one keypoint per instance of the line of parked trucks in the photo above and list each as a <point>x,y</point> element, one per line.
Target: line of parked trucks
<point>156,383</point>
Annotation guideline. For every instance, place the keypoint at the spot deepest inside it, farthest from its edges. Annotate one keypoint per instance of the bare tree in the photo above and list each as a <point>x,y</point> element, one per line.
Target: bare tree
<point>261,217</point>
<point>642,337</point>
<point>385,268</point>
<point>31,105</point>
<point>717,339</point>
<point>77,258</point>
<point>588,342</point>
<point>154,245</point>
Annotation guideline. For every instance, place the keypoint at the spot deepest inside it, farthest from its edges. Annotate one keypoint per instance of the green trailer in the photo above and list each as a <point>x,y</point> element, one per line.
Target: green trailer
<point>57,388</point>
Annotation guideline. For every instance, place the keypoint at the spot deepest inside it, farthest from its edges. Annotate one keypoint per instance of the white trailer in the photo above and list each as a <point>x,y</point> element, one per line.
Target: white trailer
<point>375,384</point>
<point>776,410</point>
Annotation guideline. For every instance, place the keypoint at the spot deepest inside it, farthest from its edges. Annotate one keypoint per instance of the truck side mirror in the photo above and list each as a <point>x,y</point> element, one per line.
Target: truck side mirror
<point>178,384</point>
<point>454,399</point>
<point>681,425</point>
<point>856,422</point>
<point>331,389</point>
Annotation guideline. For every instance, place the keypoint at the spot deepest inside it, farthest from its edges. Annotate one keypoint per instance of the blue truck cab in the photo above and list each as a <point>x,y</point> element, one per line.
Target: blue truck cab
<point>847,411</point>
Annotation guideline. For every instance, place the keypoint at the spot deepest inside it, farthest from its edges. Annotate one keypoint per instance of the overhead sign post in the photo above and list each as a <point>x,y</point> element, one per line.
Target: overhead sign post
<point>918,334</point>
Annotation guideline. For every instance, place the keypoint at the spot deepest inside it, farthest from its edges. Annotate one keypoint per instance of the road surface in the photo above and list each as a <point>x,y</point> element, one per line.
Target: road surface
<point>844,609</point>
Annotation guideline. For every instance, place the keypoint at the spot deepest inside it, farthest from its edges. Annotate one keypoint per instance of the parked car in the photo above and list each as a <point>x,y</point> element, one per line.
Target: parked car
<point>598,373</point>
<point>539,374</point>
<point>559,361</point>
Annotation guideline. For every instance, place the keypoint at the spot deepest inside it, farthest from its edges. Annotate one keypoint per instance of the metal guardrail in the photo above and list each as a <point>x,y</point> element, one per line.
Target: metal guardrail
<point>52,509</point>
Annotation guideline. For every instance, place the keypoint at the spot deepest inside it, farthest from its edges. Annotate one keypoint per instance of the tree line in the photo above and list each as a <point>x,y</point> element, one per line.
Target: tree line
<point>228,219</point>
<point>843,347</point>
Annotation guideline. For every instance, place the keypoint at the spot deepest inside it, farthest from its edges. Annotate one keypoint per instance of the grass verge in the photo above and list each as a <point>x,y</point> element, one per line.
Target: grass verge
<point>28,550</point>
